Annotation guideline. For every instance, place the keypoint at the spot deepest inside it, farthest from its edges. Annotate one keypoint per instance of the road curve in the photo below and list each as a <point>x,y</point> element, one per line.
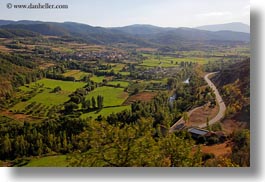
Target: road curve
<point>219,101</point>
<point>181,120</point>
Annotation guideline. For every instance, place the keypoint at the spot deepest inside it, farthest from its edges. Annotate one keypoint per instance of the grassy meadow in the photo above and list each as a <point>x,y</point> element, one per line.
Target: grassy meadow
<point>121,83</point>
<point>50,161</point>
<point>77,74</point>
<point>112,96</point>
<point>45,98</point>
<point>65,85</point>
<point>105,111</point>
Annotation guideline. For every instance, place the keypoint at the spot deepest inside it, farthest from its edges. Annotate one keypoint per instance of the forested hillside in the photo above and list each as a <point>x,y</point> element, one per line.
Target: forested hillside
<point>16,71</point>
<point>234,83</point>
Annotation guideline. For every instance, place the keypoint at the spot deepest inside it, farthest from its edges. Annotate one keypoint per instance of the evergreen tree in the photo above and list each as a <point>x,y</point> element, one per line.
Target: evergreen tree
<point>93,102</point>
<point>100,101</point>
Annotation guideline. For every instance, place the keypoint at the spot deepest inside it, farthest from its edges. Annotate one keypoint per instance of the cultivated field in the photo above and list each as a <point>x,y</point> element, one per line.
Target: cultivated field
<point>97,79</point>
<point>120,83</point>
<point>105,111</point>
<point>65,85</point>
<point>112,96</point>
<point>44,98</point>
<point>77,74</point>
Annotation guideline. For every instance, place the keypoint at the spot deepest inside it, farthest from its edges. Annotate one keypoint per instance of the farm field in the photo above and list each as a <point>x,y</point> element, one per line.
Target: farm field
<point>143,96</point>
<point>124,73</point>
<point>112,96</point>
<point>77,74</point>
<point>97,79</point>
<point>48,98</point>
<point>117,67</point>
<point>105,112</point>
<point>156,62</point>
<point>50,161</point>
<point>65,85</point>
<point>45,98</point>
<point>167,61</point>
<point>121,83</point>
<point>112,103</point>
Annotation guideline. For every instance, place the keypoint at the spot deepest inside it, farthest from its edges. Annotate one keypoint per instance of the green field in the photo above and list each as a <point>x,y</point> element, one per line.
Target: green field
<point>19,106</point>
<point>112,96</point>
<point>77,74</point>
<point>42,103</point>
<point>97,79</point>
<point>46,98</point>
<point>157,81</point>
<point>164,62</point>
<point>105,112</point>
<point>65,85</point>
<point>117,67</point>
<point>122,83</point>
<point>241,50</point>
<point>113,100</point>
<point>51,161</point>
<point>124,73</point>
<point>26,88</point>
<point>167,61</point>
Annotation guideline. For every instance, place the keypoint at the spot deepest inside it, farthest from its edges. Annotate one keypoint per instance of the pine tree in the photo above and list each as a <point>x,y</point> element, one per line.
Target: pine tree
<point>93,102</point>
<point>7,148</point>
<point>100,101</point>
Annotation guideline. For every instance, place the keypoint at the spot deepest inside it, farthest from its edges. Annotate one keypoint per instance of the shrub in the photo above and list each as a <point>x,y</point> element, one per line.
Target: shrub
<point>206,156</point>
<point>212,140</point>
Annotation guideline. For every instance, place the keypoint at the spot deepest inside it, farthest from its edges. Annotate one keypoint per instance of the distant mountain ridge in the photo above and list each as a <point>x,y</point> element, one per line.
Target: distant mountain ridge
<point>235,26</point>
<point>145,35</point>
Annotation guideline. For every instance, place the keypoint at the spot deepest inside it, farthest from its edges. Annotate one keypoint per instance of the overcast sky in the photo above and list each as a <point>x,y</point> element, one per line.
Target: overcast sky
<point>112,13</point>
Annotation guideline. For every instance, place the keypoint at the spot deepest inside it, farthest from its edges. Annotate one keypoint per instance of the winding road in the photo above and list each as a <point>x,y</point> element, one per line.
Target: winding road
<point>219,100</point>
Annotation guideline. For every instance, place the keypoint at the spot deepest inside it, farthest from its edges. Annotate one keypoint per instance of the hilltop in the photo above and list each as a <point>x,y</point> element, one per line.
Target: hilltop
<point>235,26</point>
<point>144,35</point>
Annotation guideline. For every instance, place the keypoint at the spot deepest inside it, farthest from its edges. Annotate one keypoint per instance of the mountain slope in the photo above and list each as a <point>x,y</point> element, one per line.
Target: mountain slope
<point>236,27</point>
<point>234,83</point>
<point>199,35</point>
<point>11,33</point>
<point>143,35</point>
<point>238,71</point>
<point>138,29</point>
<point>43,28</point>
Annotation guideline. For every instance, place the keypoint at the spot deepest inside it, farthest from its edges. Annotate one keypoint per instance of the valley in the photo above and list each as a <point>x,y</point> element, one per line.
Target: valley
<point>102,96</point>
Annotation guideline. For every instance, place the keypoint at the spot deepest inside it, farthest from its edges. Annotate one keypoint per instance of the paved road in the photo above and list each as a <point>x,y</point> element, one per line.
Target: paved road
<point>219,101</point>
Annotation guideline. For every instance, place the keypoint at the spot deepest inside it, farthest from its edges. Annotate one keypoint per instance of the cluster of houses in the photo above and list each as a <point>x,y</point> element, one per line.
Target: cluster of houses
<point>110,56</point>
<point>160,73</point>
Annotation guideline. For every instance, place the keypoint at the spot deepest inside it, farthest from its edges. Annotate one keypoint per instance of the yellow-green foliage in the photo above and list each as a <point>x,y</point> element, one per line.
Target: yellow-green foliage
<point>134,145</point>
